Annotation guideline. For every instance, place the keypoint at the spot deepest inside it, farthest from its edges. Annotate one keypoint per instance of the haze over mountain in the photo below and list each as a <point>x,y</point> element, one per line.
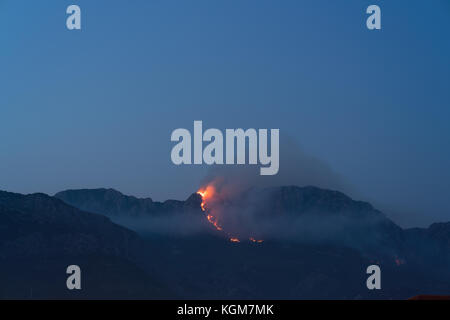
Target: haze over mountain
<point>317,244</point>
<point>299,214</point>
<point>143,215</point>
<point>302,213</point>
<point>112,203</point>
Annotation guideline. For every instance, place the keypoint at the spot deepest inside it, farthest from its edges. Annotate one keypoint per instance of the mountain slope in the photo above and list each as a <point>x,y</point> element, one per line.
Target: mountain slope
<point>317,244</point>
<point>40,236</point>
<point>39,224</point>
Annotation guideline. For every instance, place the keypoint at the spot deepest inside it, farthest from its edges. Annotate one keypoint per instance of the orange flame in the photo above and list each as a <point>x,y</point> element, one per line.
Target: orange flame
<point>256,241</point>
<point>207,193</point>
<point>213,221</point>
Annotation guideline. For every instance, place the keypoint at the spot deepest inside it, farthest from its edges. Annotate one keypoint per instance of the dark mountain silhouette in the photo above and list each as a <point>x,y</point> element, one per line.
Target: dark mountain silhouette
<point>307,214</point>
<point>40,236</point>
<point>317,244</point>
<point>41,225</point>
<point>439,232</point>
<point>310,212</point>
<point>290,200</point>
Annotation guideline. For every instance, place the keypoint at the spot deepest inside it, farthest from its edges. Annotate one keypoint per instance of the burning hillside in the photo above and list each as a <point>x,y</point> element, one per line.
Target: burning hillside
<point>244,214</point>
<point>307,215</point>
<point>210,200</point>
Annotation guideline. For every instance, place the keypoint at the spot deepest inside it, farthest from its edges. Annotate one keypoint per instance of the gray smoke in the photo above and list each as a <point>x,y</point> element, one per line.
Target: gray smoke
<point>296,168</point>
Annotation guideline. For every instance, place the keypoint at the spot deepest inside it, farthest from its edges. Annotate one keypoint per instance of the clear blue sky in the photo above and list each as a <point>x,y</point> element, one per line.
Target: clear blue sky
<point>95,108</point>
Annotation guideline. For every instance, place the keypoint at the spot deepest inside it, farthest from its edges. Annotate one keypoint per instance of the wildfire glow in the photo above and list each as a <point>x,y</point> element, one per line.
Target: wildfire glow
<point>256,241</point>
<point>213,221</point>
<point>207,193</point>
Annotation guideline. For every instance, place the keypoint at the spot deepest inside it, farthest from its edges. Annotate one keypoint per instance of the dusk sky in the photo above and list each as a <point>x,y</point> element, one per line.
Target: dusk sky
<point>96,107</point>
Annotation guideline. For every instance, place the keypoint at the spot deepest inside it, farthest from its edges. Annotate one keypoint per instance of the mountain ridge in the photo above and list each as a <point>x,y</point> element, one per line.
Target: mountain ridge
<point>40,236</point>
<point>110,202</point>
<point>46,234</point>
